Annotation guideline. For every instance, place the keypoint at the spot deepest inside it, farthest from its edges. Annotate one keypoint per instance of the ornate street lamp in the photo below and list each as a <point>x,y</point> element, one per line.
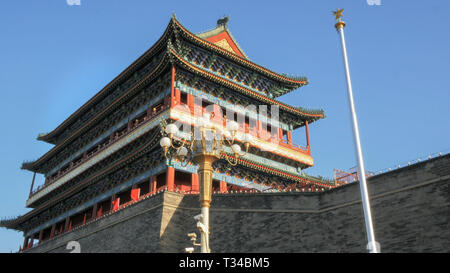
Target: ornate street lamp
<point>204,144</point>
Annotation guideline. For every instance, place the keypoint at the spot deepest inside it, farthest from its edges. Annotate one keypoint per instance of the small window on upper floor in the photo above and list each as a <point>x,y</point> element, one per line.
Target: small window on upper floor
<point>285,138</point>
<point>183,98</point>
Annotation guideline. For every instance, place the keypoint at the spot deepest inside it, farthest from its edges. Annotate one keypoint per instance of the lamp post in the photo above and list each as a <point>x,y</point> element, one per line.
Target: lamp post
<point>372,244</point>
<point>204,145</point>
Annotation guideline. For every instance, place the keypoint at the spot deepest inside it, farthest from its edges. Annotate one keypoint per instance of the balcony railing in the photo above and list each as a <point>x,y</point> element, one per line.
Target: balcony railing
<point>246,128</point>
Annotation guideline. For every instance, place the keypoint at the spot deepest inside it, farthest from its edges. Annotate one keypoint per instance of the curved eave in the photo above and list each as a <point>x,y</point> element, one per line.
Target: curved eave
<point>11,223</point>
<point>28,166</point>
<point>302,122</point>
<point>187,65</point>
<point>34,166</point>
<point>48,137</point>
<point>292,83</point>
<point>285,90</point>
<point>297,178</point>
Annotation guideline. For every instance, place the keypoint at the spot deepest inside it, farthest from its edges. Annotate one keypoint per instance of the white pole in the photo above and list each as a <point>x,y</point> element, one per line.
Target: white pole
<point>205,241</point>
<point>372,244</point>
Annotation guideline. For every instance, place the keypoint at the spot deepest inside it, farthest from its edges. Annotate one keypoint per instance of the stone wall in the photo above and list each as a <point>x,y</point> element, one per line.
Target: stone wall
<point>133,229</point>
<point>411,211</point>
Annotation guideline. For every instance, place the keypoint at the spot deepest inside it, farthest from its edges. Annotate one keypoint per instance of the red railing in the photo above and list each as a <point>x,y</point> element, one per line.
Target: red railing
<point>245,127</point>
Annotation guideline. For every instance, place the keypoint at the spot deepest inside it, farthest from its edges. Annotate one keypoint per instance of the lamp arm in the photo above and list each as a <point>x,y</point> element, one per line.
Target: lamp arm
<point>231,161</point>
<point>183,142</point>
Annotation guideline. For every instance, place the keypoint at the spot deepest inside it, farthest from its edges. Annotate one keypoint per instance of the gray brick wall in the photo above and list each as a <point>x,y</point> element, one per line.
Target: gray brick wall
<point>411,209</point>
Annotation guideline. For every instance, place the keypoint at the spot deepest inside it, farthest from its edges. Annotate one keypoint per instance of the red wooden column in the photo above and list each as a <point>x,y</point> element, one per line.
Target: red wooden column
<point>41,233</point>
<point>67,224</point>
<point>31,241</point>
<point>94,211</point>
<point>289,137</point>
<point>32,184</point>
<point>280,134</point>
<point>177,96</point>
<point>191,103</point>
<point>99,212</point>
<point>195,187</point>
<point>170,178</point>
<point>172,91</point>
<point>307,136</point>
<point>223,186</point>
<point>115,202</point>
<point>135,193</point>
<point>26,242</point>
<point>153,184</point>
<point>52,231</point>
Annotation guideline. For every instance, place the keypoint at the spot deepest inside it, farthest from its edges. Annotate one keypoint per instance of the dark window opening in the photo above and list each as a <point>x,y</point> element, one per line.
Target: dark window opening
<point>88,213</point>
<point>77,219</point>
<point>46,233</point>
<point>183,98</point>
<point>144,187</point>
<point>215,185</point>
<point>124,197</point>
<point>285,138</point>
<point>161,180</point>
<point>59,228</point>
<point>183,181</point>
<point>206,104</point>
<point>103,207</point>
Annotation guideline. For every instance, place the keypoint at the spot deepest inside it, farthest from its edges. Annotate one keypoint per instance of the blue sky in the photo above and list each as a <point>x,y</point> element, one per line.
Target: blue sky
<point>54,57</point>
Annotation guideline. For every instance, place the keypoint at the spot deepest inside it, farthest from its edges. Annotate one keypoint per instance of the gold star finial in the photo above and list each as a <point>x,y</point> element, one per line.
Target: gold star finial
<point>340,24</point>
<point>338,14</point>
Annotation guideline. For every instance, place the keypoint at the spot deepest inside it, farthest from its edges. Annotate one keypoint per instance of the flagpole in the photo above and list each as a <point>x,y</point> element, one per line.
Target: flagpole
<point>372,244</point>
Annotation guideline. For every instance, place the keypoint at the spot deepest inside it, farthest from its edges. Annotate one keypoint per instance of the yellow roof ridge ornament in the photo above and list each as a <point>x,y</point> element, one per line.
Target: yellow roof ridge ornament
<point>338,15</point>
